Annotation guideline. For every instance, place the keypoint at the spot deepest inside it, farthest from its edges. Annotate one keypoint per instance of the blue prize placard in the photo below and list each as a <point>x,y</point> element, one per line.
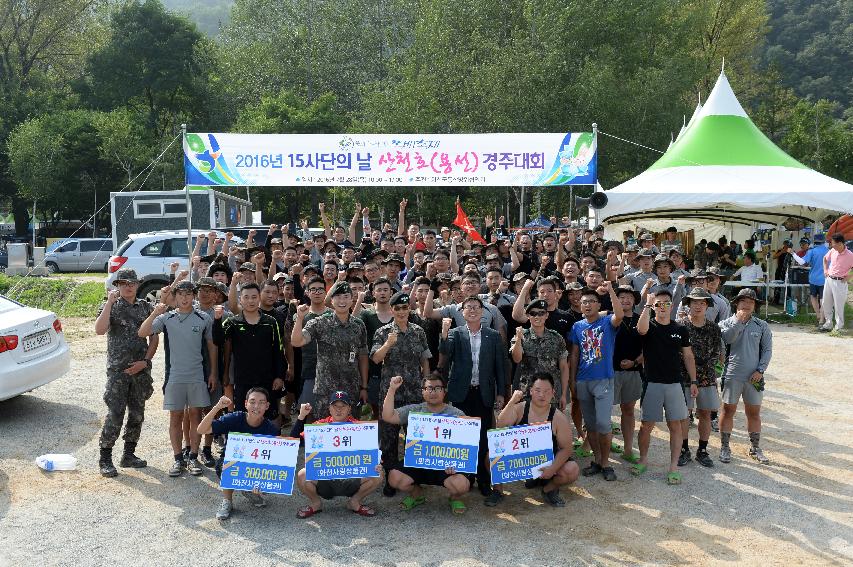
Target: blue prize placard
<point>341,450</point>
<point>439,442</point>
<point>520,452</point>
<point>262,461</point>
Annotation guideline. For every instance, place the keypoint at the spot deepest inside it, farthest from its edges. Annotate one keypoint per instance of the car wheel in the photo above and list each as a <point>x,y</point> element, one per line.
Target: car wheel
<point>52,267</point>
<point>151,291</point>
<point>107,267</point>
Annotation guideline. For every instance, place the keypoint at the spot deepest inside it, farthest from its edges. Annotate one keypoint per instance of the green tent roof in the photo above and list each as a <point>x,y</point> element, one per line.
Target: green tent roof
<point>722,134</point>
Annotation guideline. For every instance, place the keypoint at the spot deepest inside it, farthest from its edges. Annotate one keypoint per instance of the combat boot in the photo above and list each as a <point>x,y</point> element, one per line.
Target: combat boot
<point>129,460</point>
<point>106,463</point>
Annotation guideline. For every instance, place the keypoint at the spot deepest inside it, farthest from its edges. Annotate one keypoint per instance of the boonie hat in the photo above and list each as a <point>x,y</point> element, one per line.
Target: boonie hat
<point>698,293</point>
<point>126,275</point>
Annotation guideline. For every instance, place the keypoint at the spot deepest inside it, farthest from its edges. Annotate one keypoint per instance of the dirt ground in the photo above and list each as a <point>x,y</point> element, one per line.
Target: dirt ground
<point>798,510</point>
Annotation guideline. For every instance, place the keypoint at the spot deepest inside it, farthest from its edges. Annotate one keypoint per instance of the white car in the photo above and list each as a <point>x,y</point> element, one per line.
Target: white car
<point>150,254</point>
<point>33,350</point>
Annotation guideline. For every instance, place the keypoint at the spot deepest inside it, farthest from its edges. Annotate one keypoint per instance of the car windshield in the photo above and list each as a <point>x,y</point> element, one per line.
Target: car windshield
<point>54,245</point>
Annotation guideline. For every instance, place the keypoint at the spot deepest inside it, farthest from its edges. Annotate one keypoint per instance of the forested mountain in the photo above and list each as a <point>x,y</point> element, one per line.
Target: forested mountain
<point>812,41</point>
<point>209,15</point>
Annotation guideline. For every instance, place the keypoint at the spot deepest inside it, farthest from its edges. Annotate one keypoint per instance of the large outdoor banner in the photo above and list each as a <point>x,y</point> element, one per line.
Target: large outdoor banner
<point>390,159</point>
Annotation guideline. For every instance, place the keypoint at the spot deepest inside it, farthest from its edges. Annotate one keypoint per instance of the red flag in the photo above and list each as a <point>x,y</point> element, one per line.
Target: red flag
<point>462,222</point>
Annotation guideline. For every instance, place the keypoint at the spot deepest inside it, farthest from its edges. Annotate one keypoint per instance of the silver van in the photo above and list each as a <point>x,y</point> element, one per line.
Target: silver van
<point>80,255</point>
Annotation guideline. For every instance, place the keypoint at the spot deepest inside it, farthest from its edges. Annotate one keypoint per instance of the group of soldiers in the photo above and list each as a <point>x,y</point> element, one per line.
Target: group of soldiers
<point>559,326</point>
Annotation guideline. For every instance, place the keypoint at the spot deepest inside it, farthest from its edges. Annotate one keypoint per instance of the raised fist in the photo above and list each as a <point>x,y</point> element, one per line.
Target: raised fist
<point>392,338</point>
<point>396,382</point>
<point>173,267</point>
<point>223,402</point>
<point>302,311</point>
<point>517,396</point>
<point>160,308</point>
<point>113,296</point>
<point>304,410</point>
<point>445,326</point>
<point>218,311</point>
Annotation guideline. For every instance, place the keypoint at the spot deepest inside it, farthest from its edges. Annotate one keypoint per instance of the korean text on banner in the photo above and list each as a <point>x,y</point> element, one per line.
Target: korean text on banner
<point>396,160</point>
<point>268,463</point>
<point>520,452</point>
<point>439,442</point>
<point>341,450</point>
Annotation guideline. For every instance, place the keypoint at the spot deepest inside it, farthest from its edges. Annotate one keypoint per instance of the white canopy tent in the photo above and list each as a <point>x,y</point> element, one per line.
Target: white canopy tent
<point>723,176</point>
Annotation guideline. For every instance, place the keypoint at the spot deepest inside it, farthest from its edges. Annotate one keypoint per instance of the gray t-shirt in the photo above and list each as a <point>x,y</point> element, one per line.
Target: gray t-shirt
<point>422,408</point>
<point>185,336</point>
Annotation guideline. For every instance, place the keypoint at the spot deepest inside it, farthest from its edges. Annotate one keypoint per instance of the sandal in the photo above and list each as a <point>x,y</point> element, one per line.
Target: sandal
<point>673,478</point>
<point>638,469</point>
<point>408,502</point>
<point>614,448</point>
<point>615,428</point>
<point>577,442</point>
<point>457,507</point>
<point>365,511</point>
<point>631,458</point>
<point>583,453</point>
<point>307,512</point>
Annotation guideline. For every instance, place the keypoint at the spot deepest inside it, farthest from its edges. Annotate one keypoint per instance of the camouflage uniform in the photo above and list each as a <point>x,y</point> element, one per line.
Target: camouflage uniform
<point>403,359</point>
<point>706,342</point>
<point>123,391</point>
<point>541,354</point>
<point>339,346</point>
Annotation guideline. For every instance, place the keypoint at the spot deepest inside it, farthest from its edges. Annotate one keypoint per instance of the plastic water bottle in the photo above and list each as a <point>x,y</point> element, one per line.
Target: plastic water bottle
<point>56,462</point>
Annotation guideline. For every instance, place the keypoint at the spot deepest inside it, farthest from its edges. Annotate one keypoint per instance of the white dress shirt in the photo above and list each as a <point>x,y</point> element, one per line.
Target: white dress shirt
<point>476,340</point>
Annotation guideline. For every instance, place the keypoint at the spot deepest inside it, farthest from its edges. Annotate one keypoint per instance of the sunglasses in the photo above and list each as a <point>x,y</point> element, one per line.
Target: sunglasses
<point>400,308</point>
<point>537,313</point>
<point>433,388</point>
<point>316,290</point>
<point>663,304</point>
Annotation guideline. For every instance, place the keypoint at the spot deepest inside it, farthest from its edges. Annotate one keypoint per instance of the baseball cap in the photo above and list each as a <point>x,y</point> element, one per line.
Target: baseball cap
<point>340,396</point>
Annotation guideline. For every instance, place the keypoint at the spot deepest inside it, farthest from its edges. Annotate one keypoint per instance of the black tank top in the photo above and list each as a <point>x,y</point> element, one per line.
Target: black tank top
<point>525,420</point>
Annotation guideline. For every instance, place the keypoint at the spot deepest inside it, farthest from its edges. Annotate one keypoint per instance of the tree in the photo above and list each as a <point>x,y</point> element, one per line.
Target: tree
<point>123,140</point>
<point>155,64</point>
<point>41,45</point>
<point>819,140</point>
<point>54,160</point>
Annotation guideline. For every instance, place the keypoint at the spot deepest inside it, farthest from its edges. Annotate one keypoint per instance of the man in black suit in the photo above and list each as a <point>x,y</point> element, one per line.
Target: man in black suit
<point>476,383</point>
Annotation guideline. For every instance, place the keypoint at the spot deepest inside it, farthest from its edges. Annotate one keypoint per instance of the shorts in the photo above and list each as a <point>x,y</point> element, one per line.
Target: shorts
<point>734,389</point>
<point>424,477</point>
<point>328,489</point>
<point>707,399</point>
<point>627,387</point>
<point>240,398</point>
<point>815,290</point>
<point>215,394</point>
<point>177,396</point>
<point>658,398</point>
<point>596,399</point>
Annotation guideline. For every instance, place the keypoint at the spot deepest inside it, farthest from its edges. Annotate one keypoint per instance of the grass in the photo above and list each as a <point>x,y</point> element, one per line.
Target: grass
<point>65,297</point>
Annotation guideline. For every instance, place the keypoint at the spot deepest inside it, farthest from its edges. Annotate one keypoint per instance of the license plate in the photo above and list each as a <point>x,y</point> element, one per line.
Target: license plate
<point>37,340</point>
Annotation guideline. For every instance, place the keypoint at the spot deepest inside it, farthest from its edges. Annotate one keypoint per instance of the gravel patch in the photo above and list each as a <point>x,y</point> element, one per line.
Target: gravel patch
<point>797,510</point>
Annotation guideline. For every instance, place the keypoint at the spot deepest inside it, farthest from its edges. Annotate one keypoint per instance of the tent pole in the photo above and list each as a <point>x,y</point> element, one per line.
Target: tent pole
<point>189,213</point>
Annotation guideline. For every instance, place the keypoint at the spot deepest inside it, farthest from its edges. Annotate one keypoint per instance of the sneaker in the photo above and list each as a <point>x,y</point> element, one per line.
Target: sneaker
<point>715,425</point>
<point>178,467</point>
<point>592,470</point>
<point>255,500</point>
<point>553,498</point>
<point>207,459</point>
<point>757,454</point>
<point>194,467</point>
<point>493,499</point>
<point>224,510</point>
<point>185,453</point>
<point>725,454</point>
<point>388,490</point>
<point>533,483</point>
<point>609,474</point>
<point>704,459</point>
<point>685,457</point>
